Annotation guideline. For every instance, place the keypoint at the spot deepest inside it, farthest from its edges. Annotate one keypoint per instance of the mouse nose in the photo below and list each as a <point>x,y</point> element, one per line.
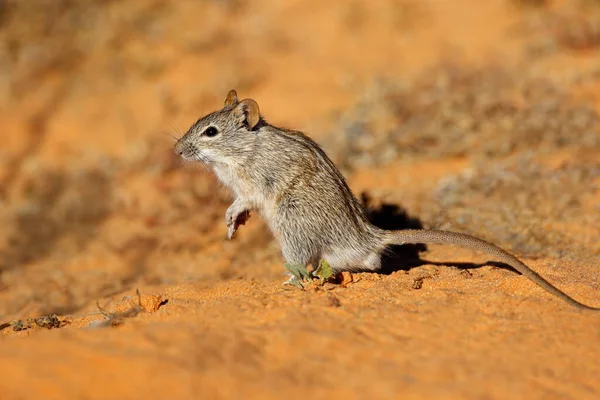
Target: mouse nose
<point>178,148</point>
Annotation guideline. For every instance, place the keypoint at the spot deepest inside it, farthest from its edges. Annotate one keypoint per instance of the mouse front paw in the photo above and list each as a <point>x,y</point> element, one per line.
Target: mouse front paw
<point>235,216</point>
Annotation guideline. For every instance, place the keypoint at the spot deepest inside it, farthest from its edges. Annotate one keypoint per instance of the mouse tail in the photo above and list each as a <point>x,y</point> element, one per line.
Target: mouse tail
<point>415,236</point>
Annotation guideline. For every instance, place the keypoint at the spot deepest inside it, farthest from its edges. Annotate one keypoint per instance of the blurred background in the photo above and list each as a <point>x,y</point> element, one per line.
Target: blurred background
<point>478,116</point>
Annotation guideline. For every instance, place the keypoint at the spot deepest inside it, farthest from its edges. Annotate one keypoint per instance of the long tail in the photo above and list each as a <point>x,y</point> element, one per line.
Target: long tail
<point>416,236</point>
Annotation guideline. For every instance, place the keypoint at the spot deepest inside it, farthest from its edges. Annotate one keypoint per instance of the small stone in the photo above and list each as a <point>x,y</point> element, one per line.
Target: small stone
<point>346,278</point>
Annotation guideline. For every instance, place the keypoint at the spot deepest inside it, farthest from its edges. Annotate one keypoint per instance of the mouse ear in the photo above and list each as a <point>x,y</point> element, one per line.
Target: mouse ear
<point>247,110</point>
<point>231,98</point>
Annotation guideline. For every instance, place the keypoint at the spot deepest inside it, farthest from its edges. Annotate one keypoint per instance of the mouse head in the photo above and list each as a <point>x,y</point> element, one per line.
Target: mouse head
<point>223,136</point>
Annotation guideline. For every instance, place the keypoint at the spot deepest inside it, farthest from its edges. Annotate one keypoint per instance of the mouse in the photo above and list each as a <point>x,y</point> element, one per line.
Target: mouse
<point>288,179</point>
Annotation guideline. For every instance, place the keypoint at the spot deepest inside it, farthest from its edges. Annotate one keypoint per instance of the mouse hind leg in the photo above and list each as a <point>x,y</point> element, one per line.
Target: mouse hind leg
<point>353,259</point>
<point>297,253</point>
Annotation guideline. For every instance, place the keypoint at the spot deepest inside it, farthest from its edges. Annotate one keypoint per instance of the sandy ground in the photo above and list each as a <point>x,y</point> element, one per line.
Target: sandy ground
<point>117,282</point>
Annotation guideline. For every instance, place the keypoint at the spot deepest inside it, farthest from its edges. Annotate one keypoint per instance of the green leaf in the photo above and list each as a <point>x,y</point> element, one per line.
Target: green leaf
<point>324,270</point>
<point>298,271</point>
<point>293,281</point>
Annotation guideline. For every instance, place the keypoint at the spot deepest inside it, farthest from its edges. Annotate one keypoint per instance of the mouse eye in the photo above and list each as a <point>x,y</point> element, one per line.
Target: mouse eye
<point>211,131</point>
